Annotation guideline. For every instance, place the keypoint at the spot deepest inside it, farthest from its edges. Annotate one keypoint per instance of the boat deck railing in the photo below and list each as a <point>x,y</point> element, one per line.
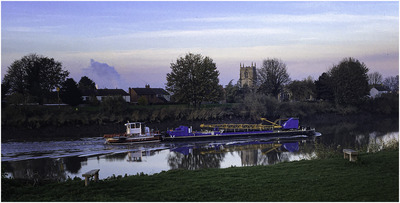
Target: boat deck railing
<point>241,126</point>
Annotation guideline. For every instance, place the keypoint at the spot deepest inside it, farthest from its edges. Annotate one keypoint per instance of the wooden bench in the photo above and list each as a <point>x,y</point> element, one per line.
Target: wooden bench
<point>89,174</point>
<point>350,154</point>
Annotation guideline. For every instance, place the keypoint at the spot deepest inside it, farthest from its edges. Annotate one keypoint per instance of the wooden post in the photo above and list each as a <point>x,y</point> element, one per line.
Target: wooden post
<point>96,177</point>
<point>86,180</point>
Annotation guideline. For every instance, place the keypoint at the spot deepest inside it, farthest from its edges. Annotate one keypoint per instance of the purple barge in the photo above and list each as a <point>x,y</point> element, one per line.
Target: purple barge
<point>281,127</point>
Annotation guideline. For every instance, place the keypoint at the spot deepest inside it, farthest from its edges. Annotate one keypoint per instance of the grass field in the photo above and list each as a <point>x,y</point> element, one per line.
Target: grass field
<point>374,177</point>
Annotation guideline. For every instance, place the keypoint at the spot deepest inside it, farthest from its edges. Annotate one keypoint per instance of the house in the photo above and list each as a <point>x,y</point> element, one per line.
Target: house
<point>152,95</point>
<point>377,91</point>
<point>100,94</point>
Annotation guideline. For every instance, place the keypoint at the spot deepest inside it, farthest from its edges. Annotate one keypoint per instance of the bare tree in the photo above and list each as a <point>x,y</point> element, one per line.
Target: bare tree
<point>392,83</point>
<point>272,77</point>
<point>375,78</point>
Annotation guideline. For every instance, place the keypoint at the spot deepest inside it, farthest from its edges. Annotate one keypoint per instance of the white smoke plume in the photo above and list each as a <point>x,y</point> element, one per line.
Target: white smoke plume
<point>103,75</point>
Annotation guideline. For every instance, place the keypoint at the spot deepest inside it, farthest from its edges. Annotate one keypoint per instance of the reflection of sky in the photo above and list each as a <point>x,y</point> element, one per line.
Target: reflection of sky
<point>114,159</point>
<point>374,139</point>
<point>389,137</point>
<point>231,159</point>
<point>300,156</point>
<point>148,165</point>
<point>159,162</point>
<point>234,159</point>
<point>378,142</point>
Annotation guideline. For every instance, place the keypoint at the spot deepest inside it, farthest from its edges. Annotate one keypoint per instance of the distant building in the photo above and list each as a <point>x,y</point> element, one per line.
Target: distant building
<point>101,94</point>
<point>377,91</point>
<point>285,95</point>
<point>152,95</point>
<point>248,76</point>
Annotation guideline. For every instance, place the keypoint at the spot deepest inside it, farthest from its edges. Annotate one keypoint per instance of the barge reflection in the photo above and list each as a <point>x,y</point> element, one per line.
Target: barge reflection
<point>251,153</point>
<point>60,162</point>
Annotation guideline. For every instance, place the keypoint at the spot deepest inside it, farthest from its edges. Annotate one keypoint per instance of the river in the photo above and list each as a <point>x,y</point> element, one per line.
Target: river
<point>63,159</point>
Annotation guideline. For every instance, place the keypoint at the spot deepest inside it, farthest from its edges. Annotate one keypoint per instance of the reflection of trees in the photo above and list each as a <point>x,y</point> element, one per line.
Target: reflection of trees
<point>116,157</point>
<point>249,157</point>
<point>130,155</point>
<point>39,169</point>
<point>272,157</point>
<point>73,164</point>
<point>260,157</point>
<point>355,132</point>
<point>195,160</point>
<point>275,154</point>
<point>250,154</point>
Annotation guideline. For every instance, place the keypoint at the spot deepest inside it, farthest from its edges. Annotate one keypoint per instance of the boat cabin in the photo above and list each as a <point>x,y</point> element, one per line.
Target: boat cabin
<point>291,123</point>
<point>135,129</point>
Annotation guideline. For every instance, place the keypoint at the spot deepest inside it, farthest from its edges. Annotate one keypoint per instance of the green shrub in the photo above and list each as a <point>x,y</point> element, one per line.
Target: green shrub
<point>259,105</point>
<point>143,101</point>
<point>113,105</point>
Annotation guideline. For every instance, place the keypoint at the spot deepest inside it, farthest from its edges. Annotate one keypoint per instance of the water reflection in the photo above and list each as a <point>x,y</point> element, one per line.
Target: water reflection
<point>377,141</point>
<point>251,153</point>
<point>35,170</point>
<point>354,133</point>
<point>135,156</point>
<point>60,160</point>
<point>73,164</point>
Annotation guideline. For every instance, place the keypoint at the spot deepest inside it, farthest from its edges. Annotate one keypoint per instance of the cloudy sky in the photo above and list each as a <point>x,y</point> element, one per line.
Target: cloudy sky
<point>130,44</point>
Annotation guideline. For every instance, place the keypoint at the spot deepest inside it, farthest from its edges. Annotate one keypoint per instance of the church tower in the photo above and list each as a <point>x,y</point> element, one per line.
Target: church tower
<point>248,76</point>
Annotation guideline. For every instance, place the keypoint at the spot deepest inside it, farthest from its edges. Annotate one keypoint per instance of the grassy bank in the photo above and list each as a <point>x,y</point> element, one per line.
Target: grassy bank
<point>374,177</point>
<point>36,117</point>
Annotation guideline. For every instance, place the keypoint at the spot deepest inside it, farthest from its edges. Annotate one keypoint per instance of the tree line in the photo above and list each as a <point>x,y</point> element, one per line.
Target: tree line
<point>194,80</point>
<point>201,74</point>
<point>345,84</point>
<point>36,79</point>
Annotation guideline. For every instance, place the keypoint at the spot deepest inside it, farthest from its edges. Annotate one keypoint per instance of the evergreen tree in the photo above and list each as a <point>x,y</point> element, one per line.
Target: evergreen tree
<point>324,87</point>
<point>231,92</point>
<point>86,83</point>
<point>69,93</point>
<point>350,81</point>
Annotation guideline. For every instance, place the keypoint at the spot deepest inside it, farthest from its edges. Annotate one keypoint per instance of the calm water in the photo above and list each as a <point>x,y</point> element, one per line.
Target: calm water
<point>62,159</point>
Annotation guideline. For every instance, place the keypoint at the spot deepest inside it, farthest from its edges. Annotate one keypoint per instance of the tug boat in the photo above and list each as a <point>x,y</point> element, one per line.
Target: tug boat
<point>281,127</point>
<point>134,134</point>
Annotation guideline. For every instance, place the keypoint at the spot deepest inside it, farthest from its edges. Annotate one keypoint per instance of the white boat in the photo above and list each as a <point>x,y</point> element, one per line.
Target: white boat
<point>136,132</point>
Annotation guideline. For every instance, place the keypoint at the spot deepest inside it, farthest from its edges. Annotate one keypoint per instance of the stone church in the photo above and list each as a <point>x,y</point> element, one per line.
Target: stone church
<point>248,76</point>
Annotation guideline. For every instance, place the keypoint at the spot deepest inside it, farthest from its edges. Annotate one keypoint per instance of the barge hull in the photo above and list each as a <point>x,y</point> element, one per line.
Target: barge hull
<point>242,135</point>
<point>135,140</point>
